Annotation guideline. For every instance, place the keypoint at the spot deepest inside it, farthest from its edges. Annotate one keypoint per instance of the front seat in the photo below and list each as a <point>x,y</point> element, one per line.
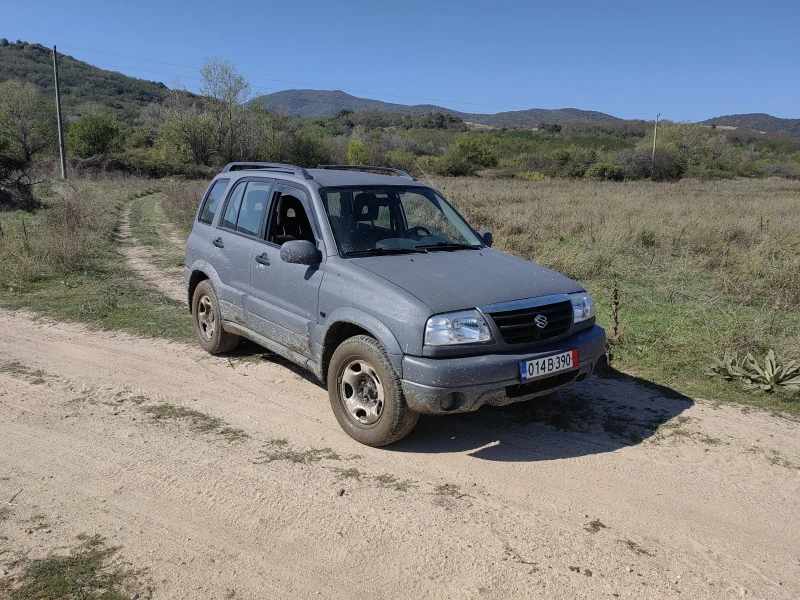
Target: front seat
<point>292,222</point>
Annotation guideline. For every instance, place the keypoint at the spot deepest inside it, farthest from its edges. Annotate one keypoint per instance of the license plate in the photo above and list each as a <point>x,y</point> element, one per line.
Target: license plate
<point>537,368</point>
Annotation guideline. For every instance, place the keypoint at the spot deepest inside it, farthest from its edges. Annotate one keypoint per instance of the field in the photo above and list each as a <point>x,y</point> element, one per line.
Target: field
<point>703,269</point>
<point>132,464</point>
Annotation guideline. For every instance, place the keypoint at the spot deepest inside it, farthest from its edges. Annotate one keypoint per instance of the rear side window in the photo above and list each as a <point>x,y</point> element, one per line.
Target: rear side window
<point>211,202</point>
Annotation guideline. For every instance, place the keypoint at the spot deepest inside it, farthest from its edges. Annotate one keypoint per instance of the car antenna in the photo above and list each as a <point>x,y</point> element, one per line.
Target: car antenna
<point>424,173</point>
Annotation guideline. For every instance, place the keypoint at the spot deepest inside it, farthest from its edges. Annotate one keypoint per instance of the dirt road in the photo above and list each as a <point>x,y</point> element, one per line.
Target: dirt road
<point>617,489</point>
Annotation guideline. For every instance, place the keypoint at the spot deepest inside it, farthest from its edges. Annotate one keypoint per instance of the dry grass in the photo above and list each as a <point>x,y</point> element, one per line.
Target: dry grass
<point>73,233</point>
<point>181,200</point>
<point>744,232</point>
<point>704,268</point>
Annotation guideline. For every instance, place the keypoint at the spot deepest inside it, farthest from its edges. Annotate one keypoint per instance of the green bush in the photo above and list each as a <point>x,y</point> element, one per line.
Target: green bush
<point>467,154</point>
<point>93,135</point>
<point>356,153</point>
<point>401,159</point>
<point>606,172</point>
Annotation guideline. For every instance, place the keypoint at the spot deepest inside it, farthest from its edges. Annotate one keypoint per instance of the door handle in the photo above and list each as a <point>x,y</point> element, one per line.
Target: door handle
<point>263,259</point>
<point>218,242</point>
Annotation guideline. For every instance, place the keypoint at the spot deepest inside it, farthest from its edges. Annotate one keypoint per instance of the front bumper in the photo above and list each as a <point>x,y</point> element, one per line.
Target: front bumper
<point>453,385</point>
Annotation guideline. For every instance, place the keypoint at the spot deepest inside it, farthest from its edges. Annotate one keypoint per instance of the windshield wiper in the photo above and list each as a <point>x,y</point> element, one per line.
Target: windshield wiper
<point>449,246</point>
<point>376,250</point>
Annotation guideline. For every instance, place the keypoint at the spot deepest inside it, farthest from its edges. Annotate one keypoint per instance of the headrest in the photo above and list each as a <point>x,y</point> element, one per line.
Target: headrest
<point>288,203</point>
<point>366,206</point>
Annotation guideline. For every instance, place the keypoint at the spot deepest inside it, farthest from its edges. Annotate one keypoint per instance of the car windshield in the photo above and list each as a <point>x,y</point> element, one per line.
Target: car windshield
<point>395,219</point>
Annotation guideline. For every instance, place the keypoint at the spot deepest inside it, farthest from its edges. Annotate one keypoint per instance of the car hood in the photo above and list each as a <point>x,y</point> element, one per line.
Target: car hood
<point>453,280</point>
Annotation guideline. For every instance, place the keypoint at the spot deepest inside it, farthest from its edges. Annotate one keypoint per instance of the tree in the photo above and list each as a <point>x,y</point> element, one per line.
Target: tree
<point>93,134</point>
<point>552,128</point>
<point>226,92</point>
<point>467,154</point>
<point>356,153</point>
<point>25,122</point>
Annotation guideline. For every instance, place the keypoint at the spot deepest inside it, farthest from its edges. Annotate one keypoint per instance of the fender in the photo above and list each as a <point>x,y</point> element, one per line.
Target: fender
<point>204,267</point>
<point>372,325</point>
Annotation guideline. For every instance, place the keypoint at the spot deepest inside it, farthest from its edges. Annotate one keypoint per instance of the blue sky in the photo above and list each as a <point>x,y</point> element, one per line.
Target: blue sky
<point>686,60</point>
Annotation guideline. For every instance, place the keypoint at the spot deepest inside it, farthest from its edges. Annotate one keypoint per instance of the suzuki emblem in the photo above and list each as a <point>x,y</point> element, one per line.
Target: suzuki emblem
<point>541,321</point>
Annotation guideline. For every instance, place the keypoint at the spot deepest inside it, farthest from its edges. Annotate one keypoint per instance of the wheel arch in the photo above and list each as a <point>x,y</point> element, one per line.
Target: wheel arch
<point>346,323</point>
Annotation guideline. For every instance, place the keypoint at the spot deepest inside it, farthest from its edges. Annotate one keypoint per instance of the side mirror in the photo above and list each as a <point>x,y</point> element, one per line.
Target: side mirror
<point>300,252</point>
<point>487,237</point>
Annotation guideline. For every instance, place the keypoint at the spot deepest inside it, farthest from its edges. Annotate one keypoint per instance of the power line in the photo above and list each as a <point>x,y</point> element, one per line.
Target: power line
<point>312,85</point>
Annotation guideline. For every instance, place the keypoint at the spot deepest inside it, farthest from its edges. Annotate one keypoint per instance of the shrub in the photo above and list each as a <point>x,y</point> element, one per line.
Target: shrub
<point>467,154</point>
<point>93,135</point>
<point>356,153</point>
<point>639,164</point>
<point>308,149</point>
<point>606,172</point>
<point>401,159</point>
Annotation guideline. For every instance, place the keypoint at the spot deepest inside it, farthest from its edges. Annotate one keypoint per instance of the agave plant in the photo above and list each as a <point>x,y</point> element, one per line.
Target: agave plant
<point>769,376</point>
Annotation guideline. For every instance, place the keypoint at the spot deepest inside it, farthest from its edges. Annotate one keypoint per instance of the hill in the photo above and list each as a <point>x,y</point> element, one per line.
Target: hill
<point>81,83</point>
<point>323,103</point>
<point>759,122</point>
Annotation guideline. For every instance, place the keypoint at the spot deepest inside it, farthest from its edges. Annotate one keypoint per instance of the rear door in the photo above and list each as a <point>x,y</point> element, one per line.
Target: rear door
<point>284,297</point>
<point>233,240</point>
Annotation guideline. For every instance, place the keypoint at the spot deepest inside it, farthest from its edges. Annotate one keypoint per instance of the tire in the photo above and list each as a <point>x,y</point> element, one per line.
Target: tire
<point>208,321</point>
<point>365,393</point>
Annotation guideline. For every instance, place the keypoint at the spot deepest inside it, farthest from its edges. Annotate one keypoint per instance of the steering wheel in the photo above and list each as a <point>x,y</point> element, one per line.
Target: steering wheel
<point>416,230</point>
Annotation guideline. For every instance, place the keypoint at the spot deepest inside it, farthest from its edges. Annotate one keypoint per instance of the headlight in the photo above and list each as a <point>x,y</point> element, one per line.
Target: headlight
<point>463,327</point>
<point>582,307</point>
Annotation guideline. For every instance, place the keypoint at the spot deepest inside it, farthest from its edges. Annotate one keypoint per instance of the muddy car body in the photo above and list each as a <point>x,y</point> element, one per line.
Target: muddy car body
<point>373,282</point>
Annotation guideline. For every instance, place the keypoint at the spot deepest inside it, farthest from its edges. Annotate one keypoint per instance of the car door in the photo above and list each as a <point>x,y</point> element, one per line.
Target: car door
<point>233,241</point>
<point>284,297</point>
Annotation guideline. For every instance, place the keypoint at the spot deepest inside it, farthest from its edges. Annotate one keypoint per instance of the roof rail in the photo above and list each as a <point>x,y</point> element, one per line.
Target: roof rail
<point>283,168</point>
<point>368,168</point>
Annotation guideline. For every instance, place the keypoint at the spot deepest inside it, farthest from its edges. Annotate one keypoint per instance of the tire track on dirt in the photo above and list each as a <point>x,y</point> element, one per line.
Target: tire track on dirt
<point>139,259</point>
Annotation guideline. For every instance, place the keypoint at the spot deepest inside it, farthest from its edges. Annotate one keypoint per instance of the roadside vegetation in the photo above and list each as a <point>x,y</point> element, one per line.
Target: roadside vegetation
<point>60,261</point>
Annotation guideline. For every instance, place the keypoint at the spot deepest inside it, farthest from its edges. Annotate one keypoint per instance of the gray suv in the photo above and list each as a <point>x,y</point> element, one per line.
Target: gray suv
<point>372,281</point>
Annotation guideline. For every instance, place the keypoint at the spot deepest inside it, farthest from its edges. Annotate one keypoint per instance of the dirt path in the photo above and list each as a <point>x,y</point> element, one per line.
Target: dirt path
<point>170,234</point>
<point>558,502</point>
<point>167,281</point>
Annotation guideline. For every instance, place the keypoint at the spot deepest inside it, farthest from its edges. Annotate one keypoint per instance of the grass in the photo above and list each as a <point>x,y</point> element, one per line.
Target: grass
<point>279,450</point>
<point>61,262</point>
<point>89,572</point>
<point>390,481</point>
<point>635,548</point>
<point>595,526</point>
<point>149,230</point>
<point>703,268</point>
<point>198,421</point>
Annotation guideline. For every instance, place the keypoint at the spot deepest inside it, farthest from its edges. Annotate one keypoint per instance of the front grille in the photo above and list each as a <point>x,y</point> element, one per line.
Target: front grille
<point>519,326</point>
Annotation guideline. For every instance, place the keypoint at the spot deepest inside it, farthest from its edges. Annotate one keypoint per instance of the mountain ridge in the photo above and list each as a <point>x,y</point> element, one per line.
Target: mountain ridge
<point>323,103</point>
<point>759,122</point>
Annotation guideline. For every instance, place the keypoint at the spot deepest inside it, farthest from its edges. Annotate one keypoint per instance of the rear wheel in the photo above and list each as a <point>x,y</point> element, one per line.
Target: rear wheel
<point>208,321</point>
<point>366,395</point>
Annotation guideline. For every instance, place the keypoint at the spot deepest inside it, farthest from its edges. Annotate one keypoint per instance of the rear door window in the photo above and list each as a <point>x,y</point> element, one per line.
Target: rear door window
<point>211,202</point>
<point>254,205</point>
<point>233,206</point>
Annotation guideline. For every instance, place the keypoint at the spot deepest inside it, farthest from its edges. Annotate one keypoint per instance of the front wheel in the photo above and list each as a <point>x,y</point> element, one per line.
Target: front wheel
<point>366,395</point>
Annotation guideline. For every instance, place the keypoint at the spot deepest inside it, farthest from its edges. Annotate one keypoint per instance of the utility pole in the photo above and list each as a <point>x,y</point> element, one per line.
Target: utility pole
<point>655,135</point>
<point>60,124</point>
